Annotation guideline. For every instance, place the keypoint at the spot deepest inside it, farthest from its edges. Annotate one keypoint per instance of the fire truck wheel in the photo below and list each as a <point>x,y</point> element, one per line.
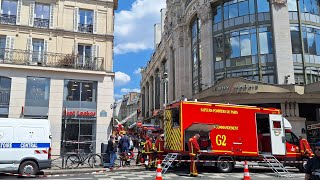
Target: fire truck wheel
<point>302,167</point>
<point>225,166</point>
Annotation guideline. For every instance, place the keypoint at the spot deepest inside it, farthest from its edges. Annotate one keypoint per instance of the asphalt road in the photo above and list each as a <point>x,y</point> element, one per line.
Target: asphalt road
<point>204,174</point>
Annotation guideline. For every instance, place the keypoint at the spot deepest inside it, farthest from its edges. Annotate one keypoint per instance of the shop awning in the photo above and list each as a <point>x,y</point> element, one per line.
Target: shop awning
<point>202,127</point>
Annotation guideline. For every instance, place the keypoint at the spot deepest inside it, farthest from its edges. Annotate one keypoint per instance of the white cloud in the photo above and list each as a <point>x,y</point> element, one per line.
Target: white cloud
<point>121,78</point>
<point>134,28</point>
<point>126,90</point>
<point>117,97</point>
<point>137,71</point>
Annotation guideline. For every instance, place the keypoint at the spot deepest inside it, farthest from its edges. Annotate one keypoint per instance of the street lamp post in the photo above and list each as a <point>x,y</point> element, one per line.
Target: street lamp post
<point>113,106</point>
<point>165,81</point>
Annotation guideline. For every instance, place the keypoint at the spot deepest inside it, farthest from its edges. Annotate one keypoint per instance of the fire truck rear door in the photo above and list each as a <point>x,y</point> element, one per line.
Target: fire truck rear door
<point>277,133</point>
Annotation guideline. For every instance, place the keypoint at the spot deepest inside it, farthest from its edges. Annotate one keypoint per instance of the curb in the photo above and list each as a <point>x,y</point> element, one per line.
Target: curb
<point>87,170</point>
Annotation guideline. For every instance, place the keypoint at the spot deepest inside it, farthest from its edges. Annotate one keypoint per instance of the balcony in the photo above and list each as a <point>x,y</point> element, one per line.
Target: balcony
<point>55,60</point>
<point>8,19</point>
<point>86,28</point>
<point>41,23</point>
<point>4,97</point>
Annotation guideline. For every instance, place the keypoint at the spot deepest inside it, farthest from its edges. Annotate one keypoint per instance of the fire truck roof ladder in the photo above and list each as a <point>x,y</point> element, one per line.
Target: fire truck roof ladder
<point>168,160</point>
<point>276,166</point>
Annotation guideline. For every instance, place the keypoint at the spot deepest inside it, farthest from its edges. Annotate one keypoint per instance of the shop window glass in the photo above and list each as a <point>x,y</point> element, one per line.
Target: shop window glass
<point>38,91</point>
<point>80,91</point>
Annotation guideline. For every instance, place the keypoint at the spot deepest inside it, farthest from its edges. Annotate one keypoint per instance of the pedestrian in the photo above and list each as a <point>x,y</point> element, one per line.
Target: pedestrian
<point>112,148</point>
<point>193,151</point>
<point>313,165</point>
<point>124,143</point>
<point>159,147</point>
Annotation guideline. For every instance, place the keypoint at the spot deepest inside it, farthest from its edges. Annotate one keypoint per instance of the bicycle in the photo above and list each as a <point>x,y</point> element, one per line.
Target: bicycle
<point>74,160</point>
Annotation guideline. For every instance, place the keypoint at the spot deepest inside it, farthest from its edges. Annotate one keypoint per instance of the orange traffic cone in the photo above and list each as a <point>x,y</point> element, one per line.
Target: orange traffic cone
<point>246,175</point>
<point>158,172</point>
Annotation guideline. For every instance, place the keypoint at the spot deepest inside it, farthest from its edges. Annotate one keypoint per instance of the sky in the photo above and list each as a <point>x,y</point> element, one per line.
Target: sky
<point>134,41</point>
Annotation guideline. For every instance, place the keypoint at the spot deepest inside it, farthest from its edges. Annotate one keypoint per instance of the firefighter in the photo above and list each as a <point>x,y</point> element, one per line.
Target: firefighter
<point>159,147</point>
<point>193,151</point>
<point>148,150</point>
<point>305,149</point>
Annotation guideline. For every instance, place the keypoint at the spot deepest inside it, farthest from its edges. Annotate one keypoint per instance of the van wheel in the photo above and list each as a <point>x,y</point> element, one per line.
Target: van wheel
<point>302,166</point>
<point>225,166</point>
<point>28,168</point>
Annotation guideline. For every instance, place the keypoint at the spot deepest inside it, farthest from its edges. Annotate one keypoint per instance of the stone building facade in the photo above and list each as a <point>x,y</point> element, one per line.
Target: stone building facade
<point>206,45</point>
<point>56,62</point>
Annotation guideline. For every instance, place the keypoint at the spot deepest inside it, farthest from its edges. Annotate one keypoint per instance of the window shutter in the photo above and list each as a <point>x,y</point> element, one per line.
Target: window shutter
<point>95,21</point>
<point>93,53</point>
<point>45,51</point>
<point>31,16</point>
<point>76,55</point>
<point>19,6</point>
<point>51,23</point>
<point>29,48</point>
<point>76,19</point>
<point>97,61</point>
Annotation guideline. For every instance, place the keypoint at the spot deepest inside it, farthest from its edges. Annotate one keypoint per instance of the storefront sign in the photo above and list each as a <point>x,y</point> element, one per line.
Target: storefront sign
<point>81,113</point>
<point>237,88</point>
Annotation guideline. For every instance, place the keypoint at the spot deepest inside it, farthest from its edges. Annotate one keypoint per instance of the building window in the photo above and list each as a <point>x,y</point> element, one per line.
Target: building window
<point>8,11</point>
<point>81,91</point>
<point>236,49</point>
<point>38,50</point>
<point>2,47</point>
<point>5,88</point>
<point>86,21</point>
<point>38,92</point>
<point>42,15</point>
<point>84,52</point>
<point>196,55</point>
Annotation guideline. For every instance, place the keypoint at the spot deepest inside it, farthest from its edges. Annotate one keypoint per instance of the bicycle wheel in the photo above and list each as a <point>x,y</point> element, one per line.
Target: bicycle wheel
<point>72,161</point>
<point>94,161</point>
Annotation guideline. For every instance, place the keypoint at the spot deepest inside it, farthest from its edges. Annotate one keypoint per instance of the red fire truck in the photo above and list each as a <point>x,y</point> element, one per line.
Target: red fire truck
<point>231,133</point>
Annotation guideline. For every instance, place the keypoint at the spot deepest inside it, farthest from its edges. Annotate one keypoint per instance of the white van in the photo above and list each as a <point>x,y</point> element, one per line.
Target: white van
<point>25,145</point>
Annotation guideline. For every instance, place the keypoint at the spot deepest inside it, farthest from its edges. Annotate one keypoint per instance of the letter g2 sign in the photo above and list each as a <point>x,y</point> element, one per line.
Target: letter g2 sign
<point>221,140</point>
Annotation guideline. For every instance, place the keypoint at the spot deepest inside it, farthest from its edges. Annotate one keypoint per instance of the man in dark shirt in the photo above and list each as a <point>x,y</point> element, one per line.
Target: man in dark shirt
<point>124,143</point>
<point>313,165</point>
<point>112,149</point>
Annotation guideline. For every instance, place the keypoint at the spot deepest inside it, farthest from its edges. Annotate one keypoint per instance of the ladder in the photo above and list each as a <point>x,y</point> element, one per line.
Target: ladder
<point>276,166</point>
<point>167,162</point>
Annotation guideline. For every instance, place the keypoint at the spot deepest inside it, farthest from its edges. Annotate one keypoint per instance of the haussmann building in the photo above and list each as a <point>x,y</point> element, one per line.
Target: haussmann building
<point>56,63</point>
<point>252,52</point>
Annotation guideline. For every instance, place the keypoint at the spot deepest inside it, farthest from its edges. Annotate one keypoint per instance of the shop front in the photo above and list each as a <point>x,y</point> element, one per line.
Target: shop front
<point>79,117</point>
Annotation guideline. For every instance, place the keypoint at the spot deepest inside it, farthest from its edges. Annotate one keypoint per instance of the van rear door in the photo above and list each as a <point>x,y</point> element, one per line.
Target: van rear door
<point>277,133</point>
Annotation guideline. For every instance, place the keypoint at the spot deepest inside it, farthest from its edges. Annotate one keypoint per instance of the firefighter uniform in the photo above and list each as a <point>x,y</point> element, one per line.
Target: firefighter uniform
<point>159,147</point>
<point>305,148</point>
<point>148,151</point>
<point>193,151</point>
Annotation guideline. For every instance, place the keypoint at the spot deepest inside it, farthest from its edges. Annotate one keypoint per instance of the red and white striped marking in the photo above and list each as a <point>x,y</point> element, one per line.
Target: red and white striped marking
<point>40,151</point>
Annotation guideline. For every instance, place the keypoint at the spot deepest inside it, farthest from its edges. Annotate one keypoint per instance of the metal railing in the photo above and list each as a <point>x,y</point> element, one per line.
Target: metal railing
<point>4,97</point>
<point>46,59</point>
<point>41,23</point>
<point>8,19</point>
<point>87,28</point>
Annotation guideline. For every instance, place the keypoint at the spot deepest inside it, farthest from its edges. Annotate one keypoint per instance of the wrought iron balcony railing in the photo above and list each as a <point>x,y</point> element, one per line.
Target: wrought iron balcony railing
<point>4,97</point>
<point>8,19</point>
<point>56,60</point>
<point>87,28</point>
<point>41,23</point>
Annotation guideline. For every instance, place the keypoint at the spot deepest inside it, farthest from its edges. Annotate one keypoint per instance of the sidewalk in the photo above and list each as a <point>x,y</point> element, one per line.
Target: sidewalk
<point>88,170</point>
